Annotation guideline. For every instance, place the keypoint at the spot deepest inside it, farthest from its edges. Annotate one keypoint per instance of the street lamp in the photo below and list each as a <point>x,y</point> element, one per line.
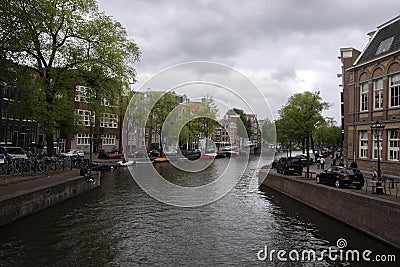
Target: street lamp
<point>377,129</point>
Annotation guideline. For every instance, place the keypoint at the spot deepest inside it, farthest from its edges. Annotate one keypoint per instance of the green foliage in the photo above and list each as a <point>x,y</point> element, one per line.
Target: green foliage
<point>199,121</point>
<point>269,131</point>
<point>161,110</point>
<point>328,134</point>
<point>300,116</point>
<point>245,129</point>
<point>65,38</point>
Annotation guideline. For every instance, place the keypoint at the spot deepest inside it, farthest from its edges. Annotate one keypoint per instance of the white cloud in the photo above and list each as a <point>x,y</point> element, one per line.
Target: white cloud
<point>285,47</point>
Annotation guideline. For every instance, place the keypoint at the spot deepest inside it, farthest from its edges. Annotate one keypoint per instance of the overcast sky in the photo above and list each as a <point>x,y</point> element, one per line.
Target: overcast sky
<point>283,46</point>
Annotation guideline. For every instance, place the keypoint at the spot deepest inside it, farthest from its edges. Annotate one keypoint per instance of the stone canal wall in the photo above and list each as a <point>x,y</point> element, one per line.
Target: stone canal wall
<point>374,216</point>
<point>21,204</point>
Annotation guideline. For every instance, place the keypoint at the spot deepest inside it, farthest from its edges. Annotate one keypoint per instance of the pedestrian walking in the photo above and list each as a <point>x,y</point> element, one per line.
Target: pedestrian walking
<point>322,162</point>
<point>318,161</point>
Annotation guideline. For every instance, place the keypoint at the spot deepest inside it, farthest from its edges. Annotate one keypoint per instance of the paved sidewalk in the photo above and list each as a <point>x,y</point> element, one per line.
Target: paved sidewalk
<point>390,194</point>
<point>36,181</point>
<point>16,184</point>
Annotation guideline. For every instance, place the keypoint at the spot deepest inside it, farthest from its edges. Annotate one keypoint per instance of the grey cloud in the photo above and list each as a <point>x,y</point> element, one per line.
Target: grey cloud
<point>284,46</point>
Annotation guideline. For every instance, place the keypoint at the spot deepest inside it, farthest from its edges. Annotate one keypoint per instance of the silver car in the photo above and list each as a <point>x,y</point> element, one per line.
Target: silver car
<point>13,152</point>
<point>73,153</point>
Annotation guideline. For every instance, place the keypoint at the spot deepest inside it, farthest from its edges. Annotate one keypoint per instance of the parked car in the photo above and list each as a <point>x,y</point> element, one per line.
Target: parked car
<point>73,153</point>
<point>249,144</point>
<point>303,159</point>
<point>171,152</point>
<point>139,154</point>
<point>13,152</point>
<point>154,153</point>
<point>196,151</point>
<point>115,155</point>
<point>274,163</point>
<point>341,176</point>
<point>102,154</point>
<point>289,165</point>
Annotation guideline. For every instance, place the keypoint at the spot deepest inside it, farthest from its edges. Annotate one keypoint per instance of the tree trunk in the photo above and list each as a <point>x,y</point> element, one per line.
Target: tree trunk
<point>50,144</point>
<point>308,155</point>
<point>312,143</point>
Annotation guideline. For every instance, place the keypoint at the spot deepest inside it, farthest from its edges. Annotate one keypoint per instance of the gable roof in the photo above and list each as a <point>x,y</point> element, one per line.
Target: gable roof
<point>385,40</point>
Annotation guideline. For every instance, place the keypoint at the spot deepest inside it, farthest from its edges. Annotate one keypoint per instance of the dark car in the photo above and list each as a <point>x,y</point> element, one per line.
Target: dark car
<point>274,163</point>
<point>340,176</point>
<point>289,165</point>
<point>303,159</point>
<point>154,153</point>
<point>102,154</point>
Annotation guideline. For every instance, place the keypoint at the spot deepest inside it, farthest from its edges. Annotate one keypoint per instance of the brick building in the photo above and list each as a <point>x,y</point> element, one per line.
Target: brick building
<point>371,93</point>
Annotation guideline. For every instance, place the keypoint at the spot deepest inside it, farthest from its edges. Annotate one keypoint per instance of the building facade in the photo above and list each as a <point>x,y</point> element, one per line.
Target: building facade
<point>104,127</point>
<point>16,129</point>
<point>371,94</point>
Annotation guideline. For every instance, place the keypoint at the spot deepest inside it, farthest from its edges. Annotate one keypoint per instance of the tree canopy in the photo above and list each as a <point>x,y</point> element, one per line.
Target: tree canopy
<point>201,120</point>
<point>64,43</point>
<point>300,116</point>
<point>246,130</point>
<point>269,131</point>
<point>328,134</point>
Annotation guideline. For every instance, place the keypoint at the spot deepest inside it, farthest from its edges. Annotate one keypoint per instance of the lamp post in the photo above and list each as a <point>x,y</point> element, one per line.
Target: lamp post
<point>91,123</point>
<point>377,129</point>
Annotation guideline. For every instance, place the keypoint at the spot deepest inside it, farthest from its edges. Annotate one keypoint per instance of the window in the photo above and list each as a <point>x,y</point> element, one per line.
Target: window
<point>105,102</point>
<point>364,97</point>
<point>378,94</point>
<point>109,120</point>
<point>83,139</point>
<point>375,149</point>
<point>363,149</point>
<point>384,46</point>
<point>81,94</point>
<point>394,142</point>
<point>86,117</point>
<point>109,139</point>
<point>394,90</point>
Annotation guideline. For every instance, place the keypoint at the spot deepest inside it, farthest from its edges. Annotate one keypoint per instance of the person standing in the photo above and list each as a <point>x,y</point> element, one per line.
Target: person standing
<point>322,162</point>
<point>353,165</point>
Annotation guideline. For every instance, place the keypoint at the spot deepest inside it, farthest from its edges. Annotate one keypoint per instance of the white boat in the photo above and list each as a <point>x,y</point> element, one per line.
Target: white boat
<point>126,163</point>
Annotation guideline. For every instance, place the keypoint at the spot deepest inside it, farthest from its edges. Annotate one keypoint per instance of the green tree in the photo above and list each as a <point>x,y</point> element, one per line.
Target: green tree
<point>269,131</point>
<point>328,134</point>
<point>201,120</point>
<point>246,130</point>
<point>300,116</point>
<point>54,37</point>
<point>160,111</point>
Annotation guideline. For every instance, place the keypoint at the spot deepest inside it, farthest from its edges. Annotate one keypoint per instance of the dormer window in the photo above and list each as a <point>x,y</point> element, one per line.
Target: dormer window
<point>384,46</point>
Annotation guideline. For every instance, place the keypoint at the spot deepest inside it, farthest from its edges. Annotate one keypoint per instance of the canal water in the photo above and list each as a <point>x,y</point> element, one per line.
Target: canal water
<point>118,224</point>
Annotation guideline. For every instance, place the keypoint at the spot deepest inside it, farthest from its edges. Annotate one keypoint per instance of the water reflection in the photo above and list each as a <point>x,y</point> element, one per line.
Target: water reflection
<point>118,224</point>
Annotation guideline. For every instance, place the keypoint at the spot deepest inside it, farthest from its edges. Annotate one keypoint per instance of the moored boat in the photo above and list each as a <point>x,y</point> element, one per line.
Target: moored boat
<point>208,156</point>
<point>161,159</point>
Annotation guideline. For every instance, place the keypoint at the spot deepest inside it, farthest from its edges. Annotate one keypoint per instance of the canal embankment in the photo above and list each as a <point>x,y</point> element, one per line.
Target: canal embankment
<point>376,216</point>
<point>33,194</point>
